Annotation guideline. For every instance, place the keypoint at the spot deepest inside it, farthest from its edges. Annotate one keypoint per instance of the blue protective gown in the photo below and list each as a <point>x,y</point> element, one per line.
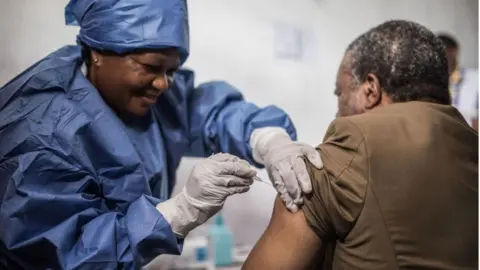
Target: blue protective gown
<point>78,187</point>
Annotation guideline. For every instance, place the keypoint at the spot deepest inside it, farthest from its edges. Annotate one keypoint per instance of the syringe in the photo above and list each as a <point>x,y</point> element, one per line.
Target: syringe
<point>258,179</point>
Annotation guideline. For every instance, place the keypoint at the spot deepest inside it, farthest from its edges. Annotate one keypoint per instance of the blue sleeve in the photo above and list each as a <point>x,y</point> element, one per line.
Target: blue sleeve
<point>222,121</point>
<point>54,215</point>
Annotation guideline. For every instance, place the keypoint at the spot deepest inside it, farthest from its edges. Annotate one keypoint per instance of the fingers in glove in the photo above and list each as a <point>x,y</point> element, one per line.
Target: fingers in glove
<point>291,206</point>
<point>235,181</point>
<point>239,168</point>
<point>303,177</point>
<point>224,157</point>
<point>283,191</point>
<point>289,178</point>
<point>238,190</point>
<point>313,156</point>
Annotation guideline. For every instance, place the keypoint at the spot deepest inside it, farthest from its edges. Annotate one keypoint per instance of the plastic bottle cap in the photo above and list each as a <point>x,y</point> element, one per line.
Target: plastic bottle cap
<point>219,220</point>
<point>201,254</point>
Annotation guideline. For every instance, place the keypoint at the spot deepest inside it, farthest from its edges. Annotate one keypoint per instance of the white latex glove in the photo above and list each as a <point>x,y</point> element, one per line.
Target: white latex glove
<point>284,161</point>
<point>211,181</point>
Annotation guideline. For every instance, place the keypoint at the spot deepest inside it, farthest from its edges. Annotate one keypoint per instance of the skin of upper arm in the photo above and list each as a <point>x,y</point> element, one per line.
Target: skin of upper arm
<point>288,243</point>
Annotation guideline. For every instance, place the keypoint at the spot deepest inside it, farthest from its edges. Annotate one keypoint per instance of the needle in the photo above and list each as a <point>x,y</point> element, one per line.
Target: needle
<point>256,178</point>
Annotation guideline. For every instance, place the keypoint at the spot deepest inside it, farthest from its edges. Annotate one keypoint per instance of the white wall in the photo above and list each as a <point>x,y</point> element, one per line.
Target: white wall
<point>233,40</point>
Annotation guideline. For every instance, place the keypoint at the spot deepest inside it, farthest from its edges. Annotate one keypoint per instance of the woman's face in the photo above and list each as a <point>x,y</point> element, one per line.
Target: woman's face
<point>131,83</point>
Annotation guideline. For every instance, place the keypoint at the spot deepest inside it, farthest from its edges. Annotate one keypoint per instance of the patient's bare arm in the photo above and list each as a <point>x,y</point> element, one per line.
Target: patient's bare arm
<point>287,244</point>
<point>296,241</point>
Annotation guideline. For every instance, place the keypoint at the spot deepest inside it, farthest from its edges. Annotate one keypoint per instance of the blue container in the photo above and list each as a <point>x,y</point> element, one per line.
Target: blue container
<point>220,242</point>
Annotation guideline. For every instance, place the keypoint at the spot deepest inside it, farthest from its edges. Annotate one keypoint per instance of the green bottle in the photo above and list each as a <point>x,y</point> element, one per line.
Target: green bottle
<point>220,243</point>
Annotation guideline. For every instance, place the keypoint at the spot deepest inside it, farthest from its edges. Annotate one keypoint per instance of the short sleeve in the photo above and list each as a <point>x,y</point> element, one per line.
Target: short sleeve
<point>339,188</point>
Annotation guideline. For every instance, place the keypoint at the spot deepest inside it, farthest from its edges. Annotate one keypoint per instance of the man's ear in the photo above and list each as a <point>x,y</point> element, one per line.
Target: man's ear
<point>372,91</point>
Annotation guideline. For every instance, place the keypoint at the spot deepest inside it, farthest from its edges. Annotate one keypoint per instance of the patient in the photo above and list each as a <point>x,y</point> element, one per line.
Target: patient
<point>399,187</point>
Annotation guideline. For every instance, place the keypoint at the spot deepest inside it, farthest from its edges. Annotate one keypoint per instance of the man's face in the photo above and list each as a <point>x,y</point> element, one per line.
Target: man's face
<point>131,83</point>
<point>347,94</point>
<point>353,99</point>
<point>452,57</point>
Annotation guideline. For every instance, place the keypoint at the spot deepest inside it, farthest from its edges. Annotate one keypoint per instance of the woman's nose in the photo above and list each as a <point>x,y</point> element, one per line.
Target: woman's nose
<point>161,82</point>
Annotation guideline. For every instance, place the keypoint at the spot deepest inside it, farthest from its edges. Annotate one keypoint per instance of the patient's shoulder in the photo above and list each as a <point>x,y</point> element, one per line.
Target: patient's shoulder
<point>339,187</point>
<point>344,129</point>
<point>376,123</point>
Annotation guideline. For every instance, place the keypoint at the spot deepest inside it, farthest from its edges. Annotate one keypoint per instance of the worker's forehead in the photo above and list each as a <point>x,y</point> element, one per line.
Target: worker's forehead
<point>157,52</point>
<point>162,56</point>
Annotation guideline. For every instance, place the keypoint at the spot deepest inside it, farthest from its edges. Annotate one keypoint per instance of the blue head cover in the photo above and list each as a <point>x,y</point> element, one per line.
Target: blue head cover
<point>123,26</point>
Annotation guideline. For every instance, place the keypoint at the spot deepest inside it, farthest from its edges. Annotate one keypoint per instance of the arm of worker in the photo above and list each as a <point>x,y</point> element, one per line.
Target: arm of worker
<point>295,241</point>
<point>50,206</point>
<point>222,121</point>
<point>60,217</point>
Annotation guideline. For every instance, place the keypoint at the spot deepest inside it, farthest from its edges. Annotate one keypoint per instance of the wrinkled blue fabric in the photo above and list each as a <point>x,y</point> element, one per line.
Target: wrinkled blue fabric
<point>124,26</point>
<point>78,187</point>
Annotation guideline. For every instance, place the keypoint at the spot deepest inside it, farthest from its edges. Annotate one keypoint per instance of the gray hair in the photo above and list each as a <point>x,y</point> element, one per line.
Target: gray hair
<point>408,59</point>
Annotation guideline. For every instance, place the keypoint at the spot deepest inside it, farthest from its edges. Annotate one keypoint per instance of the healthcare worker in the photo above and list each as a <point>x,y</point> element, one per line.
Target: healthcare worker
<point>91,136</point>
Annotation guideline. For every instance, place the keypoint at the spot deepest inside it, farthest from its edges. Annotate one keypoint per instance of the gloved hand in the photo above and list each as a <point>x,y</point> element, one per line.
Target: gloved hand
<point>211,181</point>
<point>285,164</point>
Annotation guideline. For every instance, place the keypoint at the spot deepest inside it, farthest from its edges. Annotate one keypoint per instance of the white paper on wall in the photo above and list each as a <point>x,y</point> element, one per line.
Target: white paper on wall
<point>288,41</point>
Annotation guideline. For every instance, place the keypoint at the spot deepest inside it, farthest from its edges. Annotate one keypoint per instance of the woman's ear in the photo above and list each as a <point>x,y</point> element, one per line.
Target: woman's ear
<point>96,58</point>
